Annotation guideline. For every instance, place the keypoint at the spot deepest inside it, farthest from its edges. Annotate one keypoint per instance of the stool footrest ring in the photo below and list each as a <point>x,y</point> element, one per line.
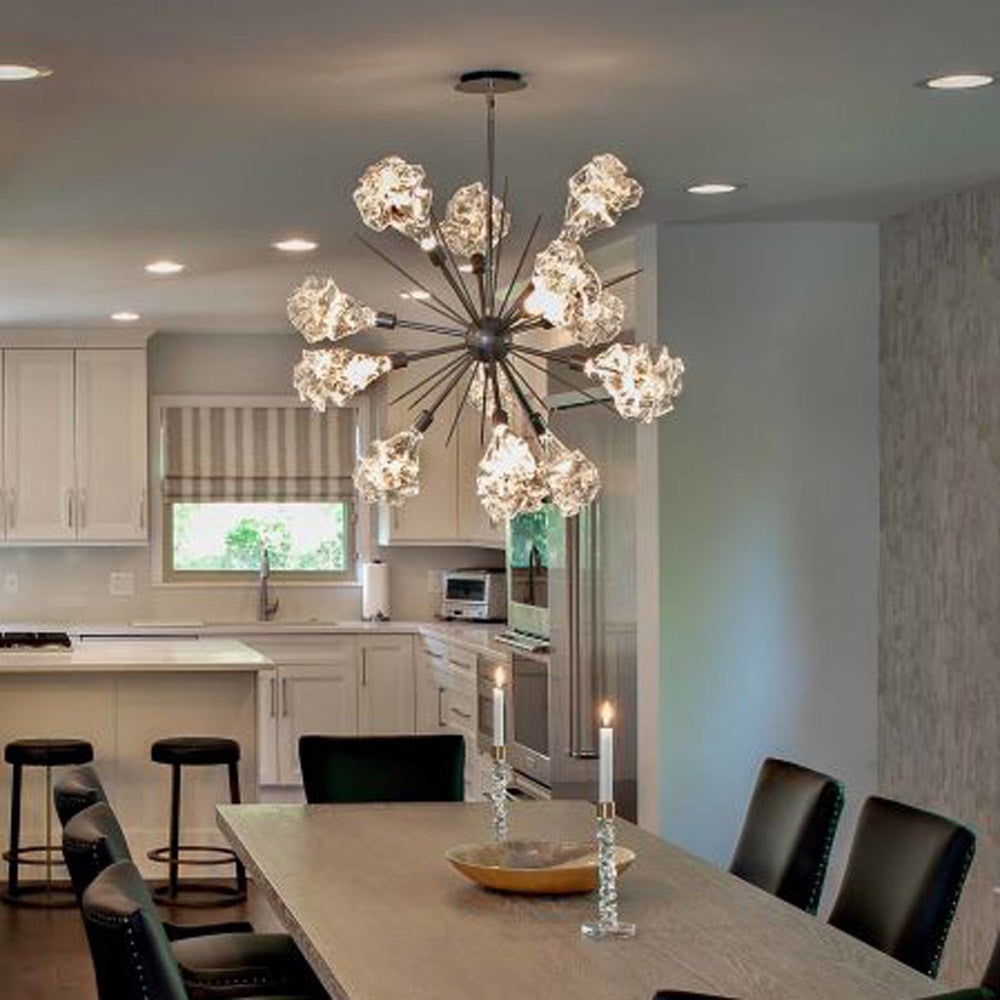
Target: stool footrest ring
<point>53,855</point>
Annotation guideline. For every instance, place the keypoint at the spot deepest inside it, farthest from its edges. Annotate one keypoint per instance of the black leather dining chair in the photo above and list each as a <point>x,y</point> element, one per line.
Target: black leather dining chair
<point>215,960</point>
<point>784,846</point>
<point>75,790</point>
<point>132,956</point>
<point>383,768</point>
<point>903,881</point>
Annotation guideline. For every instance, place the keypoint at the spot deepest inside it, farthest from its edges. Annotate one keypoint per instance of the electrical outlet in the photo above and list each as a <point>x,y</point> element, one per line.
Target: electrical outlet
<point>121,584</point>
<point>11,583</point>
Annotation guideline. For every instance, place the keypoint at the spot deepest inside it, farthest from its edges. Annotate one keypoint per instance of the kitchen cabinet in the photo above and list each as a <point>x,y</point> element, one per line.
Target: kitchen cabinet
<point>111,445</point>
<point>429,691</point>
<point>39,467</point>
<point>74,445</point>
<point>447,510</point>
<point>313,698</point>
<point>386,686</point>
<point>267,727</point>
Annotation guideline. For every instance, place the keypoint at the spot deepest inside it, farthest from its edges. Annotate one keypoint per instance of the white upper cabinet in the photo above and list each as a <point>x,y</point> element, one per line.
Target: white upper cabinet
<point>38,444</point>
<point>111,444</point>
<point>73,467</point>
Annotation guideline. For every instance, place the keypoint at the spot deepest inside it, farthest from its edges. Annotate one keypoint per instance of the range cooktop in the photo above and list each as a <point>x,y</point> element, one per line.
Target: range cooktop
<point>34,640</point>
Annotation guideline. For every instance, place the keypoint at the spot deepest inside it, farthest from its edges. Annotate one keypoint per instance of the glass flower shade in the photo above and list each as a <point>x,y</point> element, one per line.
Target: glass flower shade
<point>595,321</point>
<point>509,481</point>
<point>389,472</point>
<point>319,310</point>
<point>642,385</point>
<point>464,227</point>
<point>335,375</point>
<point>394,193</point>
<point>561,281</point>
<point>599,192</point>
<point>478,389</point>
<point>572,478</point>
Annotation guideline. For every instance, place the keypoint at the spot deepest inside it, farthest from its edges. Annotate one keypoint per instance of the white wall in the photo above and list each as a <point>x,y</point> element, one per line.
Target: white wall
<point>70,584</point>
<point>768,516</point>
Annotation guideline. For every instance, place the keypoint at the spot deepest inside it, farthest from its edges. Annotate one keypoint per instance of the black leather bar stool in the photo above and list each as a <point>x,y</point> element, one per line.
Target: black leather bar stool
<point>47,753</point>
<point>197,751</point>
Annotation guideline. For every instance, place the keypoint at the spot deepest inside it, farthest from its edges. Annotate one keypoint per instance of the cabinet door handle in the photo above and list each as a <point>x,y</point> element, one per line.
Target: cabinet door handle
<point>441,721</point>
<point>284,696</point>
<point>142,509</point>
<point>3,511</point>
<point>364,668</point>
<point>69,508</point>
<point>81,513</point>
<point>11,506</point>
<point>460,713</point>
<point>274,695</point>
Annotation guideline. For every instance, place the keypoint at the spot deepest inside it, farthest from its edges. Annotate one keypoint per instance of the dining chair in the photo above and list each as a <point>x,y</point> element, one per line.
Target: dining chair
<point>78,788</point>
<point>903,880</point>
<point>131,953</point>
<point>784,846</point>
<point>383,768</point>
<point>215,960</point>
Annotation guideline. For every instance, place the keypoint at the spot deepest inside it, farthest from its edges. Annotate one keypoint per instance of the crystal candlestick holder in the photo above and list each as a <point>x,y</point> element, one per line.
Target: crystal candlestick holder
<point>607,923</point>
<point>497,792</point>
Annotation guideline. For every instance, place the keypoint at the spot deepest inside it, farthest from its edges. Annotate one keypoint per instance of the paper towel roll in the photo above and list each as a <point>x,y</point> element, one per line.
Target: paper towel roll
<point>375,591</point>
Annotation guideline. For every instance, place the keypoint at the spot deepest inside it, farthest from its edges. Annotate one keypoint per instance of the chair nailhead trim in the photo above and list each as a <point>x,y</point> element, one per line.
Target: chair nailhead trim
<point>950,916</point>
<point>831,832</point>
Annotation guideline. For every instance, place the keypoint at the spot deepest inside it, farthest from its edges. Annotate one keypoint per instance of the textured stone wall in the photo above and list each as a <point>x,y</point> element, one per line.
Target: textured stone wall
<point>939,593</point>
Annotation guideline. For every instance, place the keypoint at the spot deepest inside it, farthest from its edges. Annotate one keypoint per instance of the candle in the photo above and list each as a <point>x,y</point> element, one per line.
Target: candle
<point>606,746</point>
<point>498,720</point>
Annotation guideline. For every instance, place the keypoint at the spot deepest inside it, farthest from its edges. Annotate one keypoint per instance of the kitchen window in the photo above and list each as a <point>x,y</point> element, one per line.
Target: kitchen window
<point>234,478</point>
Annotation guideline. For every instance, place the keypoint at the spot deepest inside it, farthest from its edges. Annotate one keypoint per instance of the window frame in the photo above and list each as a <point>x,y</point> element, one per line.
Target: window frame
<point>359,515</point>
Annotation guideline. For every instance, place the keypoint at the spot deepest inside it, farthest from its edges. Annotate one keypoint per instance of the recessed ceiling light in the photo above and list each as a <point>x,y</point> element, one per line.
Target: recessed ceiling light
<point>419,294</point>
<point>295,244</point>
<point>958,81</point>
<point>125,316</point>
<point>165,267</point>
<point>10,72</point>
<point>713,187</point>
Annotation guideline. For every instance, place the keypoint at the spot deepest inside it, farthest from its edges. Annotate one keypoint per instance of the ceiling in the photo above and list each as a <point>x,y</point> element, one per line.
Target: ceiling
<point>205,129</point>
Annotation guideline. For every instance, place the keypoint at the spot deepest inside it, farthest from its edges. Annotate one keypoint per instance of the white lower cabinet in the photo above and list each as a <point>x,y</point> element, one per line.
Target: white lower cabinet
<point>386,688</point>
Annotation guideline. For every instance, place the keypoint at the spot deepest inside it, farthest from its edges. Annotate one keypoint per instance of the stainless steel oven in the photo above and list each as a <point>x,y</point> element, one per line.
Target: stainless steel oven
<point>529,733</point>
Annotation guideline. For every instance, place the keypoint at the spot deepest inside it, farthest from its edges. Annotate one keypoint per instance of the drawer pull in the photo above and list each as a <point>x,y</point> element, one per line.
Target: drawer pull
<point>460,713</point>
<point>440,698</point>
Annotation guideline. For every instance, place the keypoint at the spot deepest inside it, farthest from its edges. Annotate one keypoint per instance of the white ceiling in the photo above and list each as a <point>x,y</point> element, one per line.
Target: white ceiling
<point>205,129</point>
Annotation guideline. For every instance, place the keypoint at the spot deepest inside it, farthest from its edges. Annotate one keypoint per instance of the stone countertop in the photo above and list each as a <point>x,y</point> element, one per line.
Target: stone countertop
<point>138,655</point>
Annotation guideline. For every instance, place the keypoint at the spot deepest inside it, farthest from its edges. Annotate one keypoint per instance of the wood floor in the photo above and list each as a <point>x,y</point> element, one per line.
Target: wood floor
<point>43,953</point>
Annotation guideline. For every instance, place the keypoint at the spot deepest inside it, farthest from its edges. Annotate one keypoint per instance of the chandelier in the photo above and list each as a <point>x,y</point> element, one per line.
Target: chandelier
<point>485,320</point>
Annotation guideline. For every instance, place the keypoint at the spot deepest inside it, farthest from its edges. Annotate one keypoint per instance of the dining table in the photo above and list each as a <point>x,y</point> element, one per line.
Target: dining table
<point>369,897</point>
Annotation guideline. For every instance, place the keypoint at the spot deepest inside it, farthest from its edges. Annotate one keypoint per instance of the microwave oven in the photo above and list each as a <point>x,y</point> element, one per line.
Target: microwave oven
<point>478,595</point>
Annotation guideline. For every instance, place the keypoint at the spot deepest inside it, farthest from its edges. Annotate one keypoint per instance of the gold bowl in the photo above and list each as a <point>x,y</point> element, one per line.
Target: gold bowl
<point>543,867</point>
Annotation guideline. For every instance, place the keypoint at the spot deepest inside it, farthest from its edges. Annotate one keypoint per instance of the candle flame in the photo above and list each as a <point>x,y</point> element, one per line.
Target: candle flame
<point>499,677</point>
<point>607,713</point>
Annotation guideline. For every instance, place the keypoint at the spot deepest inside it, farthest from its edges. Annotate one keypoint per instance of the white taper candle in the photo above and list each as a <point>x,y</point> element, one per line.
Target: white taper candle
<point>606,764</point>
<point>498,715</point>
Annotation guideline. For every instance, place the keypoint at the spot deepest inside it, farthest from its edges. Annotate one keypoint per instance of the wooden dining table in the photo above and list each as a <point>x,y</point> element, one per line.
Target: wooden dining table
<point>367,894</point>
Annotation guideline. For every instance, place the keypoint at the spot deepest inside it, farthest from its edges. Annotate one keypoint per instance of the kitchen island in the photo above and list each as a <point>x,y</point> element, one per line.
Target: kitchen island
<point>121,695</point>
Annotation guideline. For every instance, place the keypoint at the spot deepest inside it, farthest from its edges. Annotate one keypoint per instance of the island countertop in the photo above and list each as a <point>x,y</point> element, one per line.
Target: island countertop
<point>175,655</point>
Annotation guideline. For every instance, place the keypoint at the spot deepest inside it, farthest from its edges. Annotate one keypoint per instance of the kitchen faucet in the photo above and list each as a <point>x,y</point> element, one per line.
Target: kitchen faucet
<point>266,609</point>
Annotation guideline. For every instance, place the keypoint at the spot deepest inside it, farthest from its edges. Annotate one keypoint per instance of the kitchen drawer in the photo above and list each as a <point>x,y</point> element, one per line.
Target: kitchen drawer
<point>459,709</point>
<point>462,659</point>
<point>433,647</point>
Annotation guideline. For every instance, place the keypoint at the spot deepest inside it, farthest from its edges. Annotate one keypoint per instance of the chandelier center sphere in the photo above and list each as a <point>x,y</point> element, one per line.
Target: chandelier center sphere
<point>487,340</point>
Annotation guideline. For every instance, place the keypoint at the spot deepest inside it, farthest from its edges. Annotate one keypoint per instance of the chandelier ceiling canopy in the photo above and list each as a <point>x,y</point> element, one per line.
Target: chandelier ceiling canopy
<point>485,320</point>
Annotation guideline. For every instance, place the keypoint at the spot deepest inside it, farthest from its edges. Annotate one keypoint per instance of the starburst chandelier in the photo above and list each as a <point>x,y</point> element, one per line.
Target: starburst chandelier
<point>486,320</point>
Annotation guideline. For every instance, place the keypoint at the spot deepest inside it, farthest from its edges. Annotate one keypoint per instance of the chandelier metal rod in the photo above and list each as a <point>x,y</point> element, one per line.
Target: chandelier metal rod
<point>446,392</point>
<point>430,352</point>
<point>534,418</point>
<point>499,413</point>
<point>427,378</point>
<point>442,307</point>
<point>458,409</point>
<point>482,410</point>
<point>411,324</point>
<point>569,385</point>
<point>611,282</point>
<point>524,381</point>
<point>499,250</point>
<point>453,279</point>
<point>520,264</point>
<point>574,361</point>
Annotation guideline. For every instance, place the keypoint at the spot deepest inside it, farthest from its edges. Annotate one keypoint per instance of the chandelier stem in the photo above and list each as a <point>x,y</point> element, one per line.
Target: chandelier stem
<point>574,361</point>
<point>445,331</point>
<point>499,250</point>
<point>446,391</point>
<point>442,307</point>
<point>482,410</point>
<point>499,413</point>
<point>491,103</point>
<point>431,352</point>
<point>534,418</point>
<point>427,378</point>
<point>611,282</point>
<point>520,264</point>
<point>566,382</point>
<point>452,276</point>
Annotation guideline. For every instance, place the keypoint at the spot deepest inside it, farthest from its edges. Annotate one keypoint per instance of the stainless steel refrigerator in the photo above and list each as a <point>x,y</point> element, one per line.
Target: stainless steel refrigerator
<point>572,581</point>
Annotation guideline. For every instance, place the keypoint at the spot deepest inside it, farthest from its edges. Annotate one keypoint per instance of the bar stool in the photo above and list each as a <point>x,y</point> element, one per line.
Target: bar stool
<point>197,751</point>
<point>47,753</point>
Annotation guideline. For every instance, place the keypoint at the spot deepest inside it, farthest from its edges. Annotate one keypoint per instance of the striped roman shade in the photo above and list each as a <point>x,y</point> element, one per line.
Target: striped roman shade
<point>273,453</point>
